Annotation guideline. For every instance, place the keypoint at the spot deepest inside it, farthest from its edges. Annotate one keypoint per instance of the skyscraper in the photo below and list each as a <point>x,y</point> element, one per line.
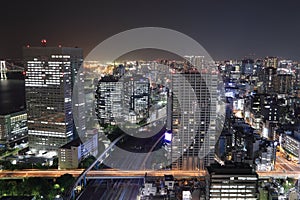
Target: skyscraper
<point>269,76</point>
<point>137,97</point>
<point>195,60</point>
<point>49,79</point>
<point>247,67</point>
<point>127,98</point>
<point>271,62</point>
<point>193,124</point>
<point>109,99</point>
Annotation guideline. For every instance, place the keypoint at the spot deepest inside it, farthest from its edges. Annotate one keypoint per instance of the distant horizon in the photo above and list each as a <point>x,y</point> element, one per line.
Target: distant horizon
<point>153,55</point>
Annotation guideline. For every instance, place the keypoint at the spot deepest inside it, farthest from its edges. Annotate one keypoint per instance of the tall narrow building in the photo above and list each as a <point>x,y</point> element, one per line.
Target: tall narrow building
<point>194,119</point>
<point>136,97</point>
<point>109,100</point>
<point>49,80</point>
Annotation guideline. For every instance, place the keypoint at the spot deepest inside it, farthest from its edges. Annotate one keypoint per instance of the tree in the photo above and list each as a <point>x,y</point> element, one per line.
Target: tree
<point>13,188</point>
<point>65,181</point>
<point>55,163</point>
<point>88,161</point>
<point>3,187</point>
<point>7,165</point>
<point>39,187</point>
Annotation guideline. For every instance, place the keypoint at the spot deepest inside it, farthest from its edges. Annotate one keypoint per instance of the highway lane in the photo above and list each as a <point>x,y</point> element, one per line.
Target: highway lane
<point>279,174</point>
<point>111,189</point>
<point>287,165</point>
<point>141,173</point>
<point>37,173</point>
<point>283,168</point>
<point>116,173</point>
<point>283,164</point>
<point>97,173</point>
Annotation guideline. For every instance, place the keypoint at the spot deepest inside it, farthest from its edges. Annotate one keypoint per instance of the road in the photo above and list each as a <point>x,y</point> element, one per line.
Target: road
<point>93,174</point>
<point>97,174</point>
<point>279,174</point>
<point>283,168</point>
<point>282,164</point>
<point>37,173</point>
<point>112,189</point>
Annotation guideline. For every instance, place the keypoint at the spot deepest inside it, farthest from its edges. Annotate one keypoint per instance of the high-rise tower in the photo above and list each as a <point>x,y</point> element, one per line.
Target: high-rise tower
<point>48,84</point>
<point>194,119</point>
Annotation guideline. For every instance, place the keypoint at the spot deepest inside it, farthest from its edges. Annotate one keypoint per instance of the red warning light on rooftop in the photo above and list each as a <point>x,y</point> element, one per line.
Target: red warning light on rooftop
<point>44,42</point>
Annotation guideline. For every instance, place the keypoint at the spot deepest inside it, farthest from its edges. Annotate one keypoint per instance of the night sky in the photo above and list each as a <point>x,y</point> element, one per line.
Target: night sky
<point>226,28</point>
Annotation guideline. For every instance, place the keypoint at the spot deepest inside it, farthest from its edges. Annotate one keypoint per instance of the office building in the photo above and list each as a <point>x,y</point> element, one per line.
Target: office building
<point>72,153</point>
<point>194,136</point>
<point>196,61</point>
<point>292,146</point>
<point>286,65</point>
<point>127,98</point>
<point>109,95</point>
<point>266,157</point>
<point>232,181</point>
<point>271,61</point>
<point>13,129</point>
<point>49,79</point>
<point>269,79</point>
<point>136,101</point>
<point>235,73</point>
<point>247,67</point>
<point>283,83</point>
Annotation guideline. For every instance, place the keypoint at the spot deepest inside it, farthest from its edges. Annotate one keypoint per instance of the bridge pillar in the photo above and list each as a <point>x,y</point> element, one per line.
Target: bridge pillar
<point>73,194</point>
<point>3,70</point>
<point>84,181</point>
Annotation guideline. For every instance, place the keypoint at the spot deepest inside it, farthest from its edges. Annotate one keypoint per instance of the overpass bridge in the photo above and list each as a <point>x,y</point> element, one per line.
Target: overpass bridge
<point>123,174</point>
<point>81,179</point>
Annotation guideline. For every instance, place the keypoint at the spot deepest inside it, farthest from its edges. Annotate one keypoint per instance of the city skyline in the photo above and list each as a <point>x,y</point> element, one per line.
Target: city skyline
<point>227,30</point>
<point>150,100</point>
<point>260,127</point>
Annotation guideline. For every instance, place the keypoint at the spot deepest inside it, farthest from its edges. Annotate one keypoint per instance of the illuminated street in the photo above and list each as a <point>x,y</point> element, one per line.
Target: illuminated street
<point>112,189</point>
<point>137,173</point>
<point>282,164</point>
<point>98,174</point>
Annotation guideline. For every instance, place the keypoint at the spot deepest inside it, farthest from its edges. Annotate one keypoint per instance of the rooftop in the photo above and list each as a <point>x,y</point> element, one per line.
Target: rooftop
<point>74,143</point>
<point>231,169</point>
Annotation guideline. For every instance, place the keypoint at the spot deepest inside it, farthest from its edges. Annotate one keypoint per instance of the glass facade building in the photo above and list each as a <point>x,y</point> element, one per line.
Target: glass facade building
<point>49,79</point>
<point>193,124</point>
<point>136,97</point>
<point>13,129</point>
<point>196,111</point>
<point>122,98</point>
<point>109,99</point>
